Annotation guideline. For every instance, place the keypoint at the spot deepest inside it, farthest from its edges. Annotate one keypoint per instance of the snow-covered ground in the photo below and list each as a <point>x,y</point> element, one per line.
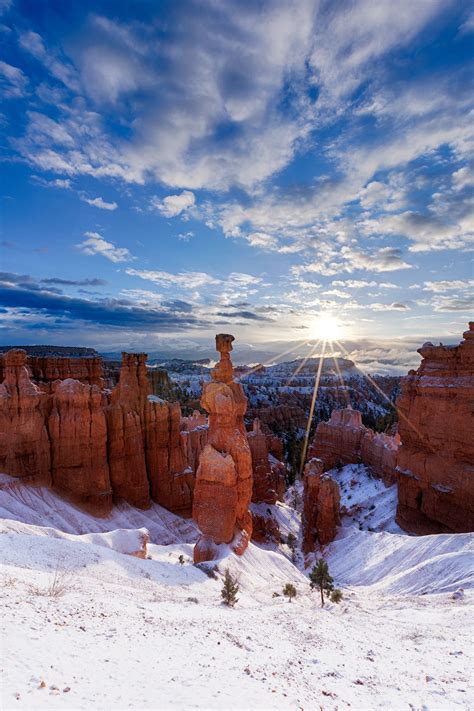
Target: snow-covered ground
<point>128,633</point>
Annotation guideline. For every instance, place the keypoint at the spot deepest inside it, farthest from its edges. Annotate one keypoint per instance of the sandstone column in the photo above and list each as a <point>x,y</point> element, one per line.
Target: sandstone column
<point>223,489</point>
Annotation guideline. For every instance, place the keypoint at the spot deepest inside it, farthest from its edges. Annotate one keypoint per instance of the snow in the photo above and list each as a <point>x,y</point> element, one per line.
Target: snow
<point>153,634</point>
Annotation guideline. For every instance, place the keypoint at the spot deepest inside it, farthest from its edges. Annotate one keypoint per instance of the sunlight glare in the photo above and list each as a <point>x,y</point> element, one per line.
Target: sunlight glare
<point>326,327</point>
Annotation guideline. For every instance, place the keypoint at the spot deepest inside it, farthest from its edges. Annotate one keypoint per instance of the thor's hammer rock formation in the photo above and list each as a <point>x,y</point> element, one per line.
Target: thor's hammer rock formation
<point>223,488</point>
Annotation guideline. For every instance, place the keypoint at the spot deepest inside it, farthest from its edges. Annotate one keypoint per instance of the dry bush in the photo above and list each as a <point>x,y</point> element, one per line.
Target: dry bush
<point>59,583</point>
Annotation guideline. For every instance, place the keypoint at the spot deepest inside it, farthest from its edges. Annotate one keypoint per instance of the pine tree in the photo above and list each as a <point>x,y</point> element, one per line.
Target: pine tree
<point>321,579</point>
<point>230,589</point>
<point>289,591</point>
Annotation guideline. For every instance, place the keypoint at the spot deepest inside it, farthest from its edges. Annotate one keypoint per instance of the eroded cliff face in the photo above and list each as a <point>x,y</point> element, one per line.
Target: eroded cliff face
<point>93,444</point>
<point>344,440</point>
<point>223,488</point>
<point>436,425</point>
<point>321,506</point>
<point>268,472</point>
<point>24,408</point>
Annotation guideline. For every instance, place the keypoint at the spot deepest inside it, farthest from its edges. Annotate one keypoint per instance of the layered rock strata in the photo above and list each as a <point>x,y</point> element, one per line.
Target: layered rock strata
<point>344,440</point>
<point>268,472</point>
<point>223,488</point>
<point>436,424</point>
<point>93,444</point>
<point>321,506</point>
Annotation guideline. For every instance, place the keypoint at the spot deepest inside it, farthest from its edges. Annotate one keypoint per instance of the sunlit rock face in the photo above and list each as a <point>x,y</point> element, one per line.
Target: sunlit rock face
<point>436,425</point>
<point>337,442</point>
<point>345,440</point>
<point>89,370</point>
<point>223,488</point>
<point>268,473</point>
<point>92,444</point>
<point>321,506</point>
<point>24,438</point>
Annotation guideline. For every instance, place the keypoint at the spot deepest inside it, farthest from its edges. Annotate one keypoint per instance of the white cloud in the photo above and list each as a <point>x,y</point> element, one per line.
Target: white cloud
<point>100,203</point>
<point>388,307</point>
<point>96,244</point>
<point>174,205</point>
<point>444,285</point>
<point>183,280</point>
<point>13,82</point>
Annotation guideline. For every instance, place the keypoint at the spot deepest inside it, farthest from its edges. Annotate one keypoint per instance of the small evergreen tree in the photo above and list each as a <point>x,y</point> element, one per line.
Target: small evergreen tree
<point>321,579</point>
<point>181,559</point>
<point>230,589</point>
<point>291,540</point>
<point>289,591</point>
<point>336,595</point>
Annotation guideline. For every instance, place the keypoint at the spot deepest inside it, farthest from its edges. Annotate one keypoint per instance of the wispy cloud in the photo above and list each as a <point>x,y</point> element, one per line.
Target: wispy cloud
<point>100,203</point>
<point>96,244</point>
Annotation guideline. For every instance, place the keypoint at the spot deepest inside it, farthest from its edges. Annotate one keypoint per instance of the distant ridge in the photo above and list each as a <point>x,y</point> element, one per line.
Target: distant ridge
<point>65,351</point>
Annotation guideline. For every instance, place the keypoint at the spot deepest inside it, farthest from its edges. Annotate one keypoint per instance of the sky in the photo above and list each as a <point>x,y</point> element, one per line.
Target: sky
<point>175,169</point>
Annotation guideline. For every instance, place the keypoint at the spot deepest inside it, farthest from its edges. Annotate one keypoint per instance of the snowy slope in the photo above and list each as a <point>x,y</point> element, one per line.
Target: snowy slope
<point>152,634</point>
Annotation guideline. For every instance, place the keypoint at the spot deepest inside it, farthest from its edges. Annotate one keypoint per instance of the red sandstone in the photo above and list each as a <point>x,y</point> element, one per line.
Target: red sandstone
<point>223,488</point>
<point>436,425</point>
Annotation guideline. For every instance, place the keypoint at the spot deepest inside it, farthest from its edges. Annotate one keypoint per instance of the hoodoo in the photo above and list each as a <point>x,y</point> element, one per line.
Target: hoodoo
<point>223,488</point>
<point>436,459</point>
<point>91,443</point>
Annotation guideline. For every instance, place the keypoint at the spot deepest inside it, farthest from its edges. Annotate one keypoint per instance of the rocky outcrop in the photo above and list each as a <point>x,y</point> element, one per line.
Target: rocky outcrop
<point>344,440</point>
<point>337,442</point>
<point>92,444</point>
<point>268,472</point>
<point>321,506</point>
<point>379,452</point>
<point>436,459</point>
<point>24,439</point>
<point>85,370</point>
<point>223,488</point>
<point>77,429</point>
<point>265,528</point>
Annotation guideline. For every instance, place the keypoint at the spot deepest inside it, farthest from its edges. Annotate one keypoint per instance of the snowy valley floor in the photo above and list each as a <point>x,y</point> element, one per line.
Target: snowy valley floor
<point>151,634</point>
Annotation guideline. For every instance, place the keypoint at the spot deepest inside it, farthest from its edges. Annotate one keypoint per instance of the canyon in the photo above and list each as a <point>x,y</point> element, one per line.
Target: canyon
<point>98,435</point>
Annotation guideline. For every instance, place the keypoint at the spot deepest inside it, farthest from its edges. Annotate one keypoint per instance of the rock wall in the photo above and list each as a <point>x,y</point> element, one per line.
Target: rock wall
<point>48,369</point>
<point>321,506</point>
<point>268,472</point>
<point>24,408</point>
<point>90,443</point>
<point>436,424</point>
<point>345,440</point>
<point>223,489</point>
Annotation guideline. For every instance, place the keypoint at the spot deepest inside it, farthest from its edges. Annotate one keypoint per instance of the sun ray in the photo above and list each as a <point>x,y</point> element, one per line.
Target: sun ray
<point>386,397</point>
<point>303,363</point>
<point>341,380</point>
<point>311,409</point>
<point>269,362</point>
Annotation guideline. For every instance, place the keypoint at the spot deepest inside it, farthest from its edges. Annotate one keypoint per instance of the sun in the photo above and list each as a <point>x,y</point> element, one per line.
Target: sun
<point>326,328</point>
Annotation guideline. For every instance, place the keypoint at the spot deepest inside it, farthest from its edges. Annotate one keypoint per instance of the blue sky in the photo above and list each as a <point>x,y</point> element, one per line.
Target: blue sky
<point>174,169</point>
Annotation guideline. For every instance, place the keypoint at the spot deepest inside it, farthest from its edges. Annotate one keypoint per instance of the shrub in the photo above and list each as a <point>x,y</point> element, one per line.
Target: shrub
<point>230,589</point>
<point>291,541</point>
<point>336,595</point>
<point>276,594</point>
<point>181,560</point>
<point>58,584</point>
<point>192,599</point>
<point>289,591</point>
